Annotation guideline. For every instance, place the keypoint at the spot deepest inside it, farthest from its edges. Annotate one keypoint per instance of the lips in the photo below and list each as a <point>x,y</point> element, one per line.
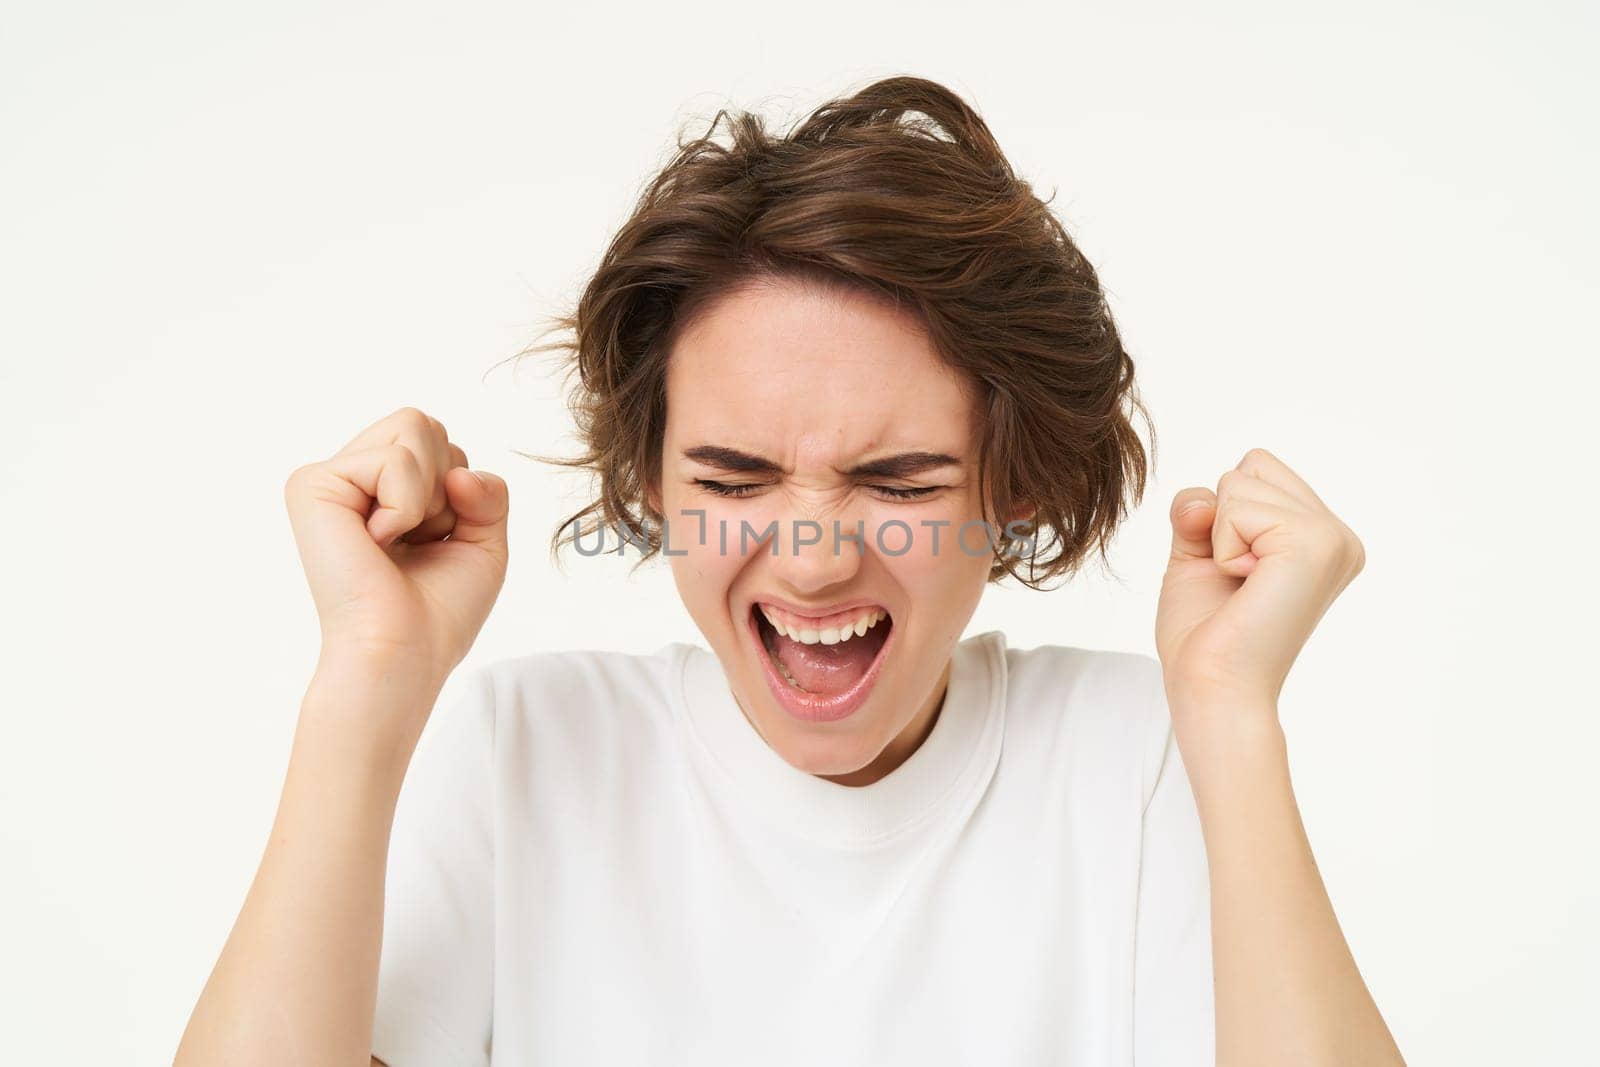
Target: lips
<point>811,680</point>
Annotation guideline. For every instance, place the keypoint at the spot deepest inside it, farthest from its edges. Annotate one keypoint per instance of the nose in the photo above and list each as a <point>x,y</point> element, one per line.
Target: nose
<point>814,555</point>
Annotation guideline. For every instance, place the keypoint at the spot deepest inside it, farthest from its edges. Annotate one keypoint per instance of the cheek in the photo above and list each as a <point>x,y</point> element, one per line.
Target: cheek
<point>944,566</point>
<point>703,551</point>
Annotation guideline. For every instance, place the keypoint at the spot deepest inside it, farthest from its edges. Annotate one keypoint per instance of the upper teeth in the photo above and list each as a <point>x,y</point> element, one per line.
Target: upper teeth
<point>832,635</point>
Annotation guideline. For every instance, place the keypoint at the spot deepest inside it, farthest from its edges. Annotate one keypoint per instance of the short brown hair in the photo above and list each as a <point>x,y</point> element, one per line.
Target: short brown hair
<point>900,190</point>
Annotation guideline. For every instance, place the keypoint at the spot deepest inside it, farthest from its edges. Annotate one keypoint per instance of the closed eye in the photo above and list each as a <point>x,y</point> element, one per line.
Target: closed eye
<point>898,493</point>
<point>725,489</point>
<point>743,489</point>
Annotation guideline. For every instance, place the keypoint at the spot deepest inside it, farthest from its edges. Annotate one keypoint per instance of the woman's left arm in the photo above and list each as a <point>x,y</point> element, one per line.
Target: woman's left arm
<point>1254,567</point>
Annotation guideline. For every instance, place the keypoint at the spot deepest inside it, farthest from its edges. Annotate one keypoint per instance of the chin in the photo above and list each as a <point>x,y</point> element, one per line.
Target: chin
<point>825,752</point>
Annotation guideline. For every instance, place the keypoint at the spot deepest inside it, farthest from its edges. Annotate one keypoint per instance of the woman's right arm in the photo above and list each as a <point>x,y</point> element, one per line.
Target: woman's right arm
<point>405,552</point>
<point>297,978</point>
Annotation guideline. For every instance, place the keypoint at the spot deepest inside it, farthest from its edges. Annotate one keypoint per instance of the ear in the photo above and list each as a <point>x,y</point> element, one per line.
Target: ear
<point>1022,510</point>
<point>652,496</point>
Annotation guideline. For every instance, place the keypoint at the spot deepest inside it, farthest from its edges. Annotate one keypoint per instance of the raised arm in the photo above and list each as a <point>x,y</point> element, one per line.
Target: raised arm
<point>1254,567</point>
<point>405,552</point>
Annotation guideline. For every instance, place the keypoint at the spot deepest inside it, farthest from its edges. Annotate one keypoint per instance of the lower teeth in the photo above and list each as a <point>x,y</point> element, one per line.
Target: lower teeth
<point>773,654</point>
<point>786,675</point>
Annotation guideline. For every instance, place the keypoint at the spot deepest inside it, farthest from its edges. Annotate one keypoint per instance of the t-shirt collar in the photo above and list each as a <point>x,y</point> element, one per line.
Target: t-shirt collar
<point>957,757</point>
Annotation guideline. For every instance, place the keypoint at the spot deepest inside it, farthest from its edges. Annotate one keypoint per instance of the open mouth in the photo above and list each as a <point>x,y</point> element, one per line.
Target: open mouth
<point>821,668</point>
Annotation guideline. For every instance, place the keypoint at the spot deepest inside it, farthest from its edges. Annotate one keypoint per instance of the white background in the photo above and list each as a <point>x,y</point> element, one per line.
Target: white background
<point>1362,236</point>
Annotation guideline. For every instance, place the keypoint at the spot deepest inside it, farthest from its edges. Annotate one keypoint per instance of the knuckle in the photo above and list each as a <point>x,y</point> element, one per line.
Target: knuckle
<point>1357,552</point>
<point>1341,550</point>
<point>1328,538</point>
<point>297,477</point>
<point>413,493</point>
<point>399,452</point>
<point>412,417</point>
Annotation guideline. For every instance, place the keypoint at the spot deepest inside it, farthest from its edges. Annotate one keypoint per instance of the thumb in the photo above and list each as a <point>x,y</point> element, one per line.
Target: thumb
<point>481,501</point>
<point>1192,513</point>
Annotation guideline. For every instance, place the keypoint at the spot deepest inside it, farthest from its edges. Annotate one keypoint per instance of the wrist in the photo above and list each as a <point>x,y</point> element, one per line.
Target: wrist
<point>361,722</point>
<point>395,670</point>
<point>1229,747</point>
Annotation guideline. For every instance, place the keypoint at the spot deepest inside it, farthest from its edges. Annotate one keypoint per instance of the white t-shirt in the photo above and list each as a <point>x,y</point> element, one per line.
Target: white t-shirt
<point>597,860</point>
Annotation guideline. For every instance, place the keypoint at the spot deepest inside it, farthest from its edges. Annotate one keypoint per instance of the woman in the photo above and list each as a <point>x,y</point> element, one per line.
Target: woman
<point>841,380</point>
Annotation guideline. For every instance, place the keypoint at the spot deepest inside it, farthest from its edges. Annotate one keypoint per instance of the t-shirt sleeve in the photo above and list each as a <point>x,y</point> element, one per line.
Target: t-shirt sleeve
<point>436,971</point>
<point>1173,1013</point>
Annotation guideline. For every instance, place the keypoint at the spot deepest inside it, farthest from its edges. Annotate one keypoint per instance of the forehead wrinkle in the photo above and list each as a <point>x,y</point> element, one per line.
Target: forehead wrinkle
<point>819,433</point>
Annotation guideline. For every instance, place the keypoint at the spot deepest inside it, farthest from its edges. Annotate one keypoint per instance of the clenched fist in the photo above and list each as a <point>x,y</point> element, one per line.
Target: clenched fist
<point>404,548</point>
<point>1254,567</point>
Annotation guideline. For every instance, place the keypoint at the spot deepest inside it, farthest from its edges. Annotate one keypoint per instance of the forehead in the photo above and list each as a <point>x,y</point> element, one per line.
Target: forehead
<point>806,373</point>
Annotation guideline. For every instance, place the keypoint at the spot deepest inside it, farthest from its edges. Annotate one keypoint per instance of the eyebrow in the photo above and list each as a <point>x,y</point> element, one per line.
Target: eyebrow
<point>899,465</point>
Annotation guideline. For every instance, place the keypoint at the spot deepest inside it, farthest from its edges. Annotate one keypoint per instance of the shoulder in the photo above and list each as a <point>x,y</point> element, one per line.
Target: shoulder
<point>574,673</point>
<point>1100,678</point>
<point>575,699</point>
<point>1097,706</point>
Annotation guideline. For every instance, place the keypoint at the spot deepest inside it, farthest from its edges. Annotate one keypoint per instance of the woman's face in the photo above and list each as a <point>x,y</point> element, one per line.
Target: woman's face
<point>792,408</point>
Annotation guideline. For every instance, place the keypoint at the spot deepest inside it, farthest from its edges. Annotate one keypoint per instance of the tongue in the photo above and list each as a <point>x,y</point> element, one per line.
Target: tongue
<point>829,669</point>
